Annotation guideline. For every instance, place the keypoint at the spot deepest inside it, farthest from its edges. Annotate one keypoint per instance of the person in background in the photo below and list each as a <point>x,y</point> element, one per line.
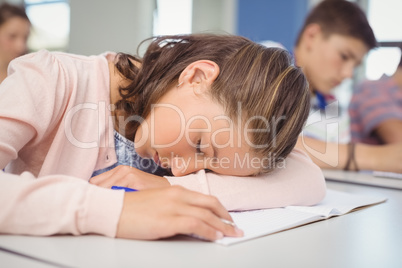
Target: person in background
<point>376,110</point>
<point>14,31</point>
<point>333,41</point>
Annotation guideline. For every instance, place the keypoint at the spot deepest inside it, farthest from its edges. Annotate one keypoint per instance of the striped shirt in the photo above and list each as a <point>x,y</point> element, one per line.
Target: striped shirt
<point>373,103</point>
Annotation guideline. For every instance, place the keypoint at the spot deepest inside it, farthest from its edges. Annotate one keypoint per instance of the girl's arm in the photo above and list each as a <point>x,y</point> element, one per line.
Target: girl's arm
<point>34,204</point>
<point>56,204</point>
<point>66,205</point>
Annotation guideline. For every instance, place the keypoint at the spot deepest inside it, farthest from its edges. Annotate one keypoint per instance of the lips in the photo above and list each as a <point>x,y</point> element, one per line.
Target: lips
<point>156,159</point>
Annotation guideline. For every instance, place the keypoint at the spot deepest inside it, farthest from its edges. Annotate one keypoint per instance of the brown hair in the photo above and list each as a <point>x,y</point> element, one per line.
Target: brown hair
<point>8,11</point>
<point>341,17</point>
<point>262,80</point>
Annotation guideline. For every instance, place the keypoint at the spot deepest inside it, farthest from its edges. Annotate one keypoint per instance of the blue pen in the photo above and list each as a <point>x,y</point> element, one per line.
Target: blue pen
<point>126,189</point>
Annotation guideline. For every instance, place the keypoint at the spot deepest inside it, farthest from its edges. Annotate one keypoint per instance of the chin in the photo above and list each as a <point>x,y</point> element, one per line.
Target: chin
<point>325,89</point>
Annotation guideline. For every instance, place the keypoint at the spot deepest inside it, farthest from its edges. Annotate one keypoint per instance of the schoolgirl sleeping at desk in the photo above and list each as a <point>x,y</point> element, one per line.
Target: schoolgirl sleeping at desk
<point>201,124</point>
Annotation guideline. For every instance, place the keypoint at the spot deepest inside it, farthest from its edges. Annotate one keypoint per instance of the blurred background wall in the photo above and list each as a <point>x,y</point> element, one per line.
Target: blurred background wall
<point>271,20</point>
<point>92,26</point>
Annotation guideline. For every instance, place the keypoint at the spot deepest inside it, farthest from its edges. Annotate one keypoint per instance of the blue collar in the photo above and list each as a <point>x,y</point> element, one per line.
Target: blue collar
<point>321,100</point>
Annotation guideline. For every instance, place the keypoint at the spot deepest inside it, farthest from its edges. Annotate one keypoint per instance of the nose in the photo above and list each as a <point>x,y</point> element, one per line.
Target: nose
<point>181,166</point>
<point>347,70</point>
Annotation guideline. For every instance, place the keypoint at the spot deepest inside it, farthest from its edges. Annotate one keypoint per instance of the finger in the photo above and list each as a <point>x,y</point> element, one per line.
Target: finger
<point>101,177</point>
<point>106,175</point>
<point>227,228</point>
<point>117,176</point>
<point>196,228</point>
<point>202,200</point>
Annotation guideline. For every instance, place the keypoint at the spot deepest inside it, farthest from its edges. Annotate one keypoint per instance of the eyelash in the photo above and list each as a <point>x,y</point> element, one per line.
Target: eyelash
<point>344,57</point>
<point>198,147</point>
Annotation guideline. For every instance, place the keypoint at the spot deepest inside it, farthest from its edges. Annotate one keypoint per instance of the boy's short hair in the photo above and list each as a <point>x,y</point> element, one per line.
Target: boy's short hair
<point>400,61</point>
<point>341,17</point>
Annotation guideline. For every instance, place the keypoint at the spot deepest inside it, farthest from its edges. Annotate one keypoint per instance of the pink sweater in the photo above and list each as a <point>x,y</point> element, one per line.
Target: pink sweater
<point>56,130</point>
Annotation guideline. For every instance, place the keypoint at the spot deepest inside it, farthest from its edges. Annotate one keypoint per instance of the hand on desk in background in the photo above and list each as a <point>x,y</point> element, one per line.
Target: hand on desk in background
<point>389,158</point>
<point>127,176</point>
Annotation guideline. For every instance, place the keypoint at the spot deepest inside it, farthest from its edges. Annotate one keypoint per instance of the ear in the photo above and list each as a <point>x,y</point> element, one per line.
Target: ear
<point>311,33</point>
<point>200,75</point>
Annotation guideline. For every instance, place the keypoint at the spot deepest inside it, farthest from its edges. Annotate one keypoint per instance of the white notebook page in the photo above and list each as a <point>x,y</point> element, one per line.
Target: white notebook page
<point>256,223</point>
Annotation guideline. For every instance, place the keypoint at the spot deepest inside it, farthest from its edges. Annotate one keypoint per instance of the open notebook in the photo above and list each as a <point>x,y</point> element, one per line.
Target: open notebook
<point>256,223</point>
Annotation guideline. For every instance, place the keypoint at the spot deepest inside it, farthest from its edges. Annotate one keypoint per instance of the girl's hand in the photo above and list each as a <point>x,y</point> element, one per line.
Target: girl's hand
<point>164,212</point>
<point>127,176</point>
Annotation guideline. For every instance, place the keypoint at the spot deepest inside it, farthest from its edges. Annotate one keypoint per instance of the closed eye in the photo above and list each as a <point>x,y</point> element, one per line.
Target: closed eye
<point>344,56</point>
<point>198,147</point>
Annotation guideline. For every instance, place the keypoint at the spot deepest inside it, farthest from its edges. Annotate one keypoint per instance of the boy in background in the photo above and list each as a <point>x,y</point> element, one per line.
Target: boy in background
<point>332,43</point>
<point>376,110</point>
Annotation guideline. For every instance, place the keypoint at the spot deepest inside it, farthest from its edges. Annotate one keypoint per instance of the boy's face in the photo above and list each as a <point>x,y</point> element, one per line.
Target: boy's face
<point>331,59</point>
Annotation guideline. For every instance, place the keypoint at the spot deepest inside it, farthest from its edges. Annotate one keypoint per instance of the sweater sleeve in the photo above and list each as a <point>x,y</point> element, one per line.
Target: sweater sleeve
<point>299,182</point>
<point>57,204</point>
<point>28,102</point>
<point>50,204</point>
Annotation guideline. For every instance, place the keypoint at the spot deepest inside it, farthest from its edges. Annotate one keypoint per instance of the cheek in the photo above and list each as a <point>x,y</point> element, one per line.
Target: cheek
<point>325,67</point>
<point>167,128</point>
<point>9,48</point>
<point>335,62</point>
<point>6,41</point>
<point>3,42</point>
<point>140,137</point>
<point>331,60</point>
<point>170,146</point>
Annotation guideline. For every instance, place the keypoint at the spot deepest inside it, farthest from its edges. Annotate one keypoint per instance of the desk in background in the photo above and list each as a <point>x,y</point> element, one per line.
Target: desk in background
<point>371,237</point>
<point>363,177</point>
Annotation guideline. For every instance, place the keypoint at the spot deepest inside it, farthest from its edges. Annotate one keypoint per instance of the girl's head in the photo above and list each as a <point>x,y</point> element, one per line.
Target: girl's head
<point>14,32</point>
<point>215,102</point>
